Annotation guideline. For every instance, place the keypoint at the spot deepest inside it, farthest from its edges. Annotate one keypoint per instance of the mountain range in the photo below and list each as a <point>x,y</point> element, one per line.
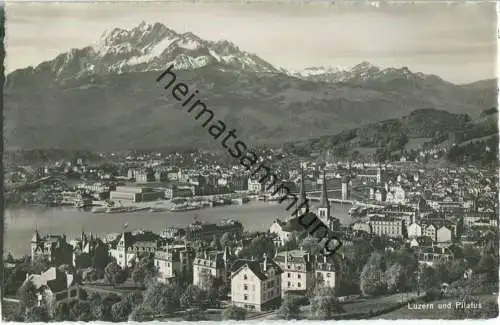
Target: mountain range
<point>105,97</point>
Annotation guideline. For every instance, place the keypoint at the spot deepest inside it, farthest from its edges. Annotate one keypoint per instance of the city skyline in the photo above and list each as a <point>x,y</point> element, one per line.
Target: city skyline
<point>456,43</point>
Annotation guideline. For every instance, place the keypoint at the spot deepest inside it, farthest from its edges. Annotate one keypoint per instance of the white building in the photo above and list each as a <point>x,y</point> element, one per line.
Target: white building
<point>256,285</point>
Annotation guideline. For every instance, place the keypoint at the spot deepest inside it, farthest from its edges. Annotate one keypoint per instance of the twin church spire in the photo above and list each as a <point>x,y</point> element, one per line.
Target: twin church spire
<point>323,209</point>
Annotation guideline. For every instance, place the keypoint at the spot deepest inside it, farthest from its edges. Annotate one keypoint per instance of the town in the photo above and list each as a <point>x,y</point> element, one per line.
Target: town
<point>413,234</point>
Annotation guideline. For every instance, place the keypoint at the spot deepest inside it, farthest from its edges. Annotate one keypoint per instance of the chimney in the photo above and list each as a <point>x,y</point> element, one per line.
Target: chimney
<point>324,259</point>
<point>265,262</point>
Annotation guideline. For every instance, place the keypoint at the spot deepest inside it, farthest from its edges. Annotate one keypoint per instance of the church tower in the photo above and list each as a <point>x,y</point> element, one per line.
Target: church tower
<point>302,203</point>
<point>35,241</point>
<point>346,188</point>
<point>323,209</point>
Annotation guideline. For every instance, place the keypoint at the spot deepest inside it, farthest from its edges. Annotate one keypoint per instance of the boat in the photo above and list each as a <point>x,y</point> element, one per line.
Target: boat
<point>98,209</point>
<point>156,209</point>
<point>184,207</point>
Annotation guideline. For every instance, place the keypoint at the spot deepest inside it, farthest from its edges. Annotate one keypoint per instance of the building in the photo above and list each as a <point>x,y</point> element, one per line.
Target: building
<point>285,230</point>
<point>129,244</point>
<point>174,261</point>
<point>206,231</point>
<point>214,264</point>
<point>174,191</point>
<point>255,186</point>
<point>297,269</point>
<point>256,285</point>
<point>414,230</point>
<point>386,226</point>
<point>429,230</point>
<point>54,248</point>
<point>431,255</point>
<point>89,251</point>
<point>362,226</point>
<point>323,209</point>
<point>144,175</point>
<point>133,194</point>
<point>53,285</point>
<point>346,188</point>
<point>444,235</point>
<point>325,273</point>
<point>396,194</point>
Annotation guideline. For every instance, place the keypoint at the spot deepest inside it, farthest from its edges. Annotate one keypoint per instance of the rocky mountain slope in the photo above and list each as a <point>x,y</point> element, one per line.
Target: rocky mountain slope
<point>105,96</point>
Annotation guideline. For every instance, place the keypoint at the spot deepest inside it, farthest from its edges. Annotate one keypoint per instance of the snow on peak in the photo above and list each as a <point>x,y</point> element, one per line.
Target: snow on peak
<point>148,47</point>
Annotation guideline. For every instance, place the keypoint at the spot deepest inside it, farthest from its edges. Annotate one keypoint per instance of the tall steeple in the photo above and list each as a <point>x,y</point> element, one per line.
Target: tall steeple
<point>302,206</point>
<point>324,193</point>
<point>323,209</point>
<point>36,236</point>
<point>303,196</point>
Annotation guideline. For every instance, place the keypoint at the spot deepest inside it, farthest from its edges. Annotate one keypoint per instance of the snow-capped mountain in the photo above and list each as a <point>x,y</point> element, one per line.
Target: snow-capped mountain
<point>106,96</point>
<point>150,47</point>
<point>363,72</point>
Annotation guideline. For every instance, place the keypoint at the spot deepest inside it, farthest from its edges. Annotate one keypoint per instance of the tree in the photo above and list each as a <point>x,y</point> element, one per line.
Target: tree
<point>97,307</point>
<point>27,295</point>
<point>39,265</point>
<point>37,314</point>
<point>83,260</point>
<point>289,309</point>
<point>120,311</point>
<point>372,279</point>
<point>107,303</point>
<point>193,296</point>
<point>144,270</point>
<point>234,313</point>
<point>311,245</point>
<point>214,243</point>
<point>225,239</point>
<point>85,314</point>
<point>324,307</point>
<point>429,278</point>
<point>62,312</point>
<point>394,277</point>
<point>259,246</point>
<point>162,298</point>
<point>114,273</point>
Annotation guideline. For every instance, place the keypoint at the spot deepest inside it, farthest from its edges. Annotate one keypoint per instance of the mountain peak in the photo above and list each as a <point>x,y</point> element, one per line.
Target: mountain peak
<point>150,47</point>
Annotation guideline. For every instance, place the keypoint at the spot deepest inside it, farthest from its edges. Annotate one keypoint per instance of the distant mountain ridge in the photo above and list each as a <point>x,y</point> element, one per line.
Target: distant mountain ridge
<point>104,96</point>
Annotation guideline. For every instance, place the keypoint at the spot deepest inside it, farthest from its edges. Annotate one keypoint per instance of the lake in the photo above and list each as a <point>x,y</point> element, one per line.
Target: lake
<point>20,222</point>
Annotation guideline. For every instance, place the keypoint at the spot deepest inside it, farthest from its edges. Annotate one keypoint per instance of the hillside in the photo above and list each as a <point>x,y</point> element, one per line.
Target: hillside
<point>467,137</point>
<point>105,97</point>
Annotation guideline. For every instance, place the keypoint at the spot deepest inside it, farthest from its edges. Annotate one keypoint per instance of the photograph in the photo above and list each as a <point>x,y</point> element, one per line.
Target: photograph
<point>247,160</point>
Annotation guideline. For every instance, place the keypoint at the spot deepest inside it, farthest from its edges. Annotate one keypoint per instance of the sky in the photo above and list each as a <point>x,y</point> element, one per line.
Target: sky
<point>455,42</point>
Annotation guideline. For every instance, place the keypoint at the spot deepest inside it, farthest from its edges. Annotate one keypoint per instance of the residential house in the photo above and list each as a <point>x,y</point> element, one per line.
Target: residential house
<point>53,285</point>
<point>325,273</point>
<point>431,255</point>
<point>444,235</point>
<point>130,244</point>
<point>414,230</point>
<point>173,261</point>
<point>51,247</point>
<point>256,285</point>
<point>298,274</point>
<point>214,264</point>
